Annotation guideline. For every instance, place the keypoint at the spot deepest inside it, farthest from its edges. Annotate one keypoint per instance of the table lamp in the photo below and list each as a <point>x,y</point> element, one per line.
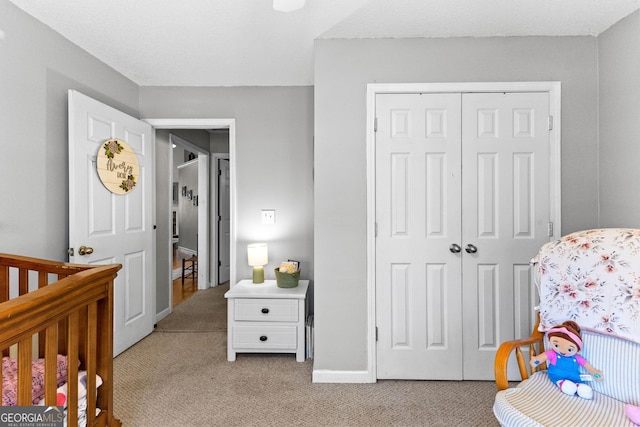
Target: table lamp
<point>257,254</point>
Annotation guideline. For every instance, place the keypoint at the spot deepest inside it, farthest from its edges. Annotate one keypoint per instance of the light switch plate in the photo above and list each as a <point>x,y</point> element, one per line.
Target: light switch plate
<point>268,216</point>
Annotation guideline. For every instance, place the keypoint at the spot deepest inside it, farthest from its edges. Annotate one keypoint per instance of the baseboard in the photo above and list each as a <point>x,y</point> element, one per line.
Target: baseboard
<point>327,376</point>
<point>187,250</point>
<point>164,313</point>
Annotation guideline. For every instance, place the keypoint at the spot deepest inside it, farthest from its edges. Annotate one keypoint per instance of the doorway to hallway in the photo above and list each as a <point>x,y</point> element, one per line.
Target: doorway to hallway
<point>207,250</point>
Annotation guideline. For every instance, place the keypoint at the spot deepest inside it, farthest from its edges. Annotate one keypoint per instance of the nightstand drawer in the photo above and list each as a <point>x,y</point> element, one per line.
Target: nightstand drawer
<point>265,337</point>
<point>266,310</point>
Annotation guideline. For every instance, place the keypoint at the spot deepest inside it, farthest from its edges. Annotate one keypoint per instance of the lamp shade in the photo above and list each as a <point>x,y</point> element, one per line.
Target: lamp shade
<point>257,254</point>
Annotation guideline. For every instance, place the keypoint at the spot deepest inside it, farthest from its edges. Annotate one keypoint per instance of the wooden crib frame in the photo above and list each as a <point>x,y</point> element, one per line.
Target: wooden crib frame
<point>70,313</point>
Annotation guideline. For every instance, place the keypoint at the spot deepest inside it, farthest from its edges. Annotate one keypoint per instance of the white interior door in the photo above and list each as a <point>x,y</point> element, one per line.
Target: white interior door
<point>119,228</point>
<point>418,213</point>
<point>505,217</point>
<point>224,222</point>
<point>462,204</point>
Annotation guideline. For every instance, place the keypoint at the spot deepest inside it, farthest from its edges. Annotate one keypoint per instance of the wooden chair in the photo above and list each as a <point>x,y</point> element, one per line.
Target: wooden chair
<point>532,346</point>
<point>190,268</point>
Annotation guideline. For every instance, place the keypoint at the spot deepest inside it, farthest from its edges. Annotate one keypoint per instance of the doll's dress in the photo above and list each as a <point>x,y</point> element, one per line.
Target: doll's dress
<point>564,367</point>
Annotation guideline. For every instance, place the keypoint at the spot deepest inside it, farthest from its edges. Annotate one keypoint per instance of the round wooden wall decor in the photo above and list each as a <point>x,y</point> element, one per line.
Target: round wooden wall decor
<point>117,166</point>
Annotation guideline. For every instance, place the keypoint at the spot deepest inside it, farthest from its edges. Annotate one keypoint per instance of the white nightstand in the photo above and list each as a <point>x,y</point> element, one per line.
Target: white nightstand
<point>263,318</point>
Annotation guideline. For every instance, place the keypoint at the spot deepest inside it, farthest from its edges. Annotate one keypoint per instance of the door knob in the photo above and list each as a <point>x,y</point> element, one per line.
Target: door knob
<point>470,249</point>
<point>455,248</point>
<point>85,250</point>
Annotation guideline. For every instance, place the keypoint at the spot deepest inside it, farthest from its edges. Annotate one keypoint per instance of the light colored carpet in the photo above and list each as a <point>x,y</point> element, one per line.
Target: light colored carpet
<point>204,311</point>
<point>183,379</point>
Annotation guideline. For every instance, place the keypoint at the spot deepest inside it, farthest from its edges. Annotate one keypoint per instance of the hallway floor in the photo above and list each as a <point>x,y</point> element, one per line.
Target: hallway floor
<point>182,292</point>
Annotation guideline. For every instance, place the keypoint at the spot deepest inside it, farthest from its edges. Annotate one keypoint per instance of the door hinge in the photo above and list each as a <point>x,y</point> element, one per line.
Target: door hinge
<point>375,124</point>
<point>375,231</point>
<point>550,229</point>
<point>376,333</point>
<point>550,122</point>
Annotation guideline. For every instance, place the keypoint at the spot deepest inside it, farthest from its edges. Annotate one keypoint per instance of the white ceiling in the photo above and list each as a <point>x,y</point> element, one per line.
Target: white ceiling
<point>247,43</point>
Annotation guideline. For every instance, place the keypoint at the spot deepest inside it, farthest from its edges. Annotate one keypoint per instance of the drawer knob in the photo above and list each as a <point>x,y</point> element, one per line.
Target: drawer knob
<point>265,310</point>
<point>263,338</point>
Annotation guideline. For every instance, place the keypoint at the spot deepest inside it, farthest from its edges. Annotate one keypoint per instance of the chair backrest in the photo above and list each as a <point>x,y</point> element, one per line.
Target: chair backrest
<point>618,360</point>
<point>593,278</point>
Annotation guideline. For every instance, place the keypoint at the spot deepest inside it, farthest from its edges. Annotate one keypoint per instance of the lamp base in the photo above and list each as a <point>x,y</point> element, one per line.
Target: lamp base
<point>258,274</point>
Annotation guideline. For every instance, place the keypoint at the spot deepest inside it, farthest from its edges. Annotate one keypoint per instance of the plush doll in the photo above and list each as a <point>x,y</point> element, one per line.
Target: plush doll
<point>633,412</point>
<point>563,360</point>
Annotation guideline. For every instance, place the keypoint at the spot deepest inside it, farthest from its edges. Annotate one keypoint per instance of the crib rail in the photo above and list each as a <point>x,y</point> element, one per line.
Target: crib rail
<point>70,311</point>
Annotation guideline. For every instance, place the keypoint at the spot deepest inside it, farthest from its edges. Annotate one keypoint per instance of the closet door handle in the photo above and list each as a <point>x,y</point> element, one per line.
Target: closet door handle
<point>470,249</point>
<point>263,338</point>
<point>85,250</point>
<point>265,310</point>
<point>455,248</point>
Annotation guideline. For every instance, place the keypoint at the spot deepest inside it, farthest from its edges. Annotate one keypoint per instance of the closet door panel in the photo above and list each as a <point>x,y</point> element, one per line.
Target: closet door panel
<point>505,212</point>
<point>418,288</point>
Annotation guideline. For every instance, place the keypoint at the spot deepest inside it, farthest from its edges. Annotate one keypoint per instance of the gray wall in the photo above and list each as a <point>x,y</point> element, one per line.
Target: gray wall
<point>198,137</point>
<point>619,154</point>
<point>343,68</point>
<point>163,221</point>
<point>274,161</point>
<point>38,67</point>
<point>220,141</point>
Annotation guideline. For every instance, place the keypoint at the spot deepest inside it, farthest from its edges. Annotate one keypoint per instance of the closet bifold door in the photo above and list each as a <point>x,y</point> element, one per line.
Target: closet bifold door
<point>505,212</point>
<point>418,288</point>
<point>462,204</point>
